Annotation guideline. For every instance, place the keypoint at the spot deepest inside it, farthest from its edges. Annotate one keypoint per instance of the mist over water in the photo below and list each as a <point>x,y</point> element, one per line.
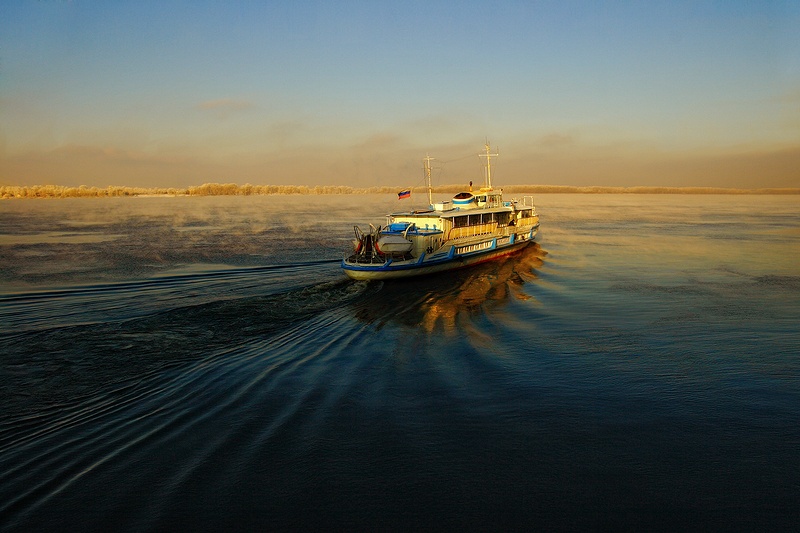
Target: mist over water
<point>203,364</point>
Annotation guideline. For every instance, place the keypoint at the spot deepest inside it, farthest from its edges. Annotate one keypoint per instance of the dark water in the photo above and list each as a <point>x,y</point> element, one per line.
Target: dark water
<point>203,364</point>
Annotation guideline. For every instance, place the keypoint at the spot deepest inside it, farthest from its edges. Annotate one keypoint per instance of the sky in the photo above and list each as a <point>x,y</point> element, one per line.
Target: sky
<point>625,93</point>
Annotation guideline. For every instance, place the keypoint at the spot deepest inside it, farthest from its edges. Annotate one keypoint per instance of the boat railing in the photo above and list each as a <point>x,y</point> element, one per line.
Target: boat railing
<point>472,231</point>
<point>527,201</point>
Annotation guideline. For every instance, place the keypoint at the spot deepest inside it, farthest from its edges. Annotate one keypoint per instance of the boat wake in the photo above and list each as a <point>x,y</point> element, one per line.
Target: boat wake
<point>101,379</point>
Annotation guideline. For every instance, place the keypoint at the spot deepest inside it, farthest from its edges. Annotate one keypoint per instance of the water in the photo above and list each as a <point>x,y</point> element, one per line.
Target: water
<point>203,364</point>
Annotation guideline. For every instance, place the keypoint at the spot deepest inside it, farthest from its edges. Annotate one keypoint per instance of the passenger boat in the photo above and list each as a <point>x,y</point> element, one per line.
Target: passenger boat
<point>470,228</point>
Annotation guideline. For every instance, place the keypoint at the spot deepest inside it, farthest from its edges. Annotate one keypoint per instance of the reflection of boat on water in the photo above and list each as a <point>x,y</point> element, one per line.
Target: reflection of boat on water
<point>470,228</point>
<point>443,301</point>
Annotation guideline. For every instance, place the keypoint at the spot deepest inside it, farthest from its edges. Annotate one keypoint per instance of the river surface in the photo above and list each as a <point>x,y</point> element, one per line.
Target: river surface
<point>203,364</point>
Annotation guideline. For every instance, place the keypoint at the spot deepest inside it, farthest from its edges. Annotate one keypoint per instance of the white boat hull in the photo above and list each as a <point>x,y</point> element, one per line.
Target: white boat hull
<point>423,270</point>
<point>442,261</point>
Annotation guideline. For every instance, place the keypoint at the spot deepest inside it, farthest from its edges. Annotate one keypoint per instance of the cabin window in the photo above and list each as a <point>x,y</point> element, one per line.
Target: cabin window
<point>478,219</point>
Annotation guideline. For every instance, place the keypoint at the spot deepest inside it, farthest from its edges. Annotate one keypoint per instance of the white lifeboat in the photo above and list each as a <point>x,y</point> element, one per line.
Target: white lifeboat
<point>393,244</point>
<point>464,200</point>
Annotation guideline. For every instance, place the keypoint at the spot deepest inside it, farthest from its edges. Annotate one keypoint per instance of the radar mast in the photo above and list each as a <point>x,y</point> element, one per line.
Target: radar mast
<point>488,155</point>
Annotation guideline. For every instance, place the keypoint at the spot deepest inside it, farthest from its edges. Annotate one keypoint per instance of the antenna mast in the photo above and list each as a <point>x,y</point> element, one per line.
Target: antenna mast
<point>488,155</point>
<point>427,162</point>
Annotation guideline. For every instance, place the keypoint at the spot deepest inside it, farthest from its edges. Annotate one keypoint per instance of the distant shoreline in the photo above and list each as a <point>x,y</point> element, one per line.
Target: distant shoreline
<point>232,189</point>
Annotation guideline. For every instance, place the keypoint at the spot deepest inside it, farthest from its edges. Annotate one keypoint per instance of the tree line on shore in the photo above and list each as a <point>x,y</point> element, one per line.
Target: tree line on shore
<point>207,189</point>
<point>232,189</point>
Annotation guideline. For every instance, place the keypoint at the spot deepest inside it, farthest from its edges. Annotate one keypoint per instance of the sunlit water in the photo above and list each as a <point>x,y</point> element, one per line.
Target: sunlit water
<point>203,364</point>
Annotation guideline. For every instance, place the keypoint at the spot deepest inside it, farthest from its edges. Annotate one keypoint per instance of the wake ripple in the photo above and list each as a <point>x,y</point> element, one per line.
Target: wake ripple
<point>86,401</point>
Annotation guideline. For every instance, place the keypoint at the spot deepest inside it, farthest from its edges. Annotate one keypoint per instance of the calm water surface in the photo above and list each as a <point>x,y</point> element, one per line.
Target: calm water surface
<point>203,364</point>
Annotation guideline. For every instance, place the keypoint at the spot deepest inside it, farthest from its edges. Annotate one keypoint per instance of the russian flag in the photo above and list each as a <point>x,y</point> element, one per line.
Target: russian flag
<point>404,194</point>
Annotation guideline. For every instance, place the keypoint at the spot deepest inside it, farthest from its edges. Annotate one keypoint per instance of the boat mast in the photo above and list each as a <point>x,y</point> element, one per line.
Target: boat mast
<point>427,162</point>
<point>488,155</point>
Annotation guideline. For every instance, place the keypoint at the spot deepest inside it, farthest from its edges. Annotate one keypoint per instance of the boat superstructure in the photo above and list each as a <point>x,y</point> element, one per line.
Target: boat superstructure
<point>470,228</point>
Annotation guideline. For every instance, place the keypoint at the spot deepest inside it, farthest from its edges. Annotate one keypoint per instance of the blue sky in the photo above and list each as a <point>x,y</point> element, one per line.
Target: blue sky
<point>356,93</point>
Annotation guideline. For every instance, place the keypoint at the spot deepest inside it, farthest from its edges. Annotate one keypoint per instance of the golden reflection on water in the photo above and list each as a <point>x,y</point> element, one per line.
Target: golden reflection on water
<point>437,303</point>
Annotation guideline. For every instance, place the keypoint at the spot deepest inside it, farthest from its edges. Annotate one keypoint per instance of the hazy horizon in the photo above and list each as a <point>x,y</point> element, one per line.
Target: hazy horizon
<point>248,189</point>
<point>581,94</point>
